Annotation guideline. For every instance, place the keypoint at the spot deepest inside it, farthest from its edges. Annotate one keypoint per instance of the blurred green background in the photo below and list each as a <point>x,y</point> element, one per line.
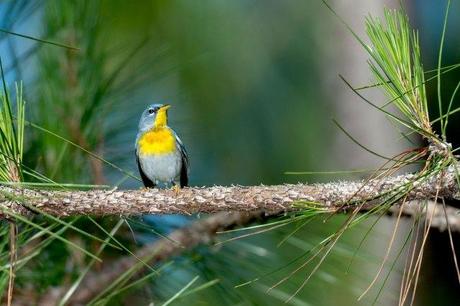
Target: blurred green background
<point>253,87</point>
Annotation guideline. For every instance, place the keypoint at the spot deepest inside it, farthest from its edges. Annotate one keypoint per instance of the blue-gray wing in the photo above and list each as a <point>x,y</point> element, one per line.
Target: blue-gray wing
<point>185,163</point>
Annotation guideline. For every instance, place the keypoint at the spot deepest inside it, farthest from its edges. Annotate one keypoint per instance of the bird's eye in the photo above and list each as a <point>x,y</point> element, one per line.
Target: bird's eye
<point>151,110</point>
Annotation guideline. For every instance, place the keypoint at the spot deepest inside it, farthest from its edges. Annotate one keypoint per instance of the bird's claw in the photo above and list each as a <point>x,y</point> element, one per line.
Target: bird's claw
<point>176,189</point>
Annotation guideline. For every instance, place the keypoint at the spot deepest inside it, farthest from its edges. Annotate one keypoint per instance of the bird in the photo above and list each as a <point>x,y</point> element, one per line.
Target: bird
<point>160,154</point>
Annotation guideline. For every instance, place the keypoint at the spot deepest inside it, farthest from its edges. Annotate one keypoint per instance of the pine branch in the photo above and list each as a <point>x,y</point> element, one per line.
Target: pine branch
<point>271,199</point>
<point>201,232</point>
<point>181,240</point>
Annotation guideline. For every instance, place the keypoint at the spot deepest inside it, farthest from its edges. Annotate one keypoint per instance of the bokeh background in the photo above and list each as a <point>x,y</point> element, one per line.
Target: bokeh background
<point>253,87</point>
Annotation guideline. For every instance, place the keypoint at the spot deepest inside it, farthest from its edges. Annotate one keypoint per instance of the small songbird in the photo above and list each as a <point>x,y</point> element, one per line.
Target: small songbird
<point>160,154</point>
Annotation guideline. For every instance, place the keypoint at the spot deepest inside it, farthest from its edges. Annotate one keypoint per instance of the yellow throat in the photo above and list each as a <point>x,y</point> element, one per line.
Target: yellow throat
<point>160,139</point>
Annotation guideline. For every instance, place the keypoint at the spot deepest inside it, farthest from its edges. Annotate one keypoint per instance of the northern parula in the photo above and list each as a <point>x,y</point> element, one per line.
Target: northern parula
<point>160,154</point>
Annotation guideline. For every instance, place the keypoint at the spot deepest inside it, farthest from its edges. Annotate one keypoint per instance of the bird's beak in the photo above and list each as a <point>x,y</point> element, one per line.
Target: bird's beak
<point>161,119</point>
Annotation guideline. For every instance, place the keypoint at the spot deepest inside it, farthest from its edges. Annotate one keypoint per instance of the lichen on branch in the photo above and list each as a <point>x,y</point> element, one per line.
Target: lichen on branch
<point>329,197</point>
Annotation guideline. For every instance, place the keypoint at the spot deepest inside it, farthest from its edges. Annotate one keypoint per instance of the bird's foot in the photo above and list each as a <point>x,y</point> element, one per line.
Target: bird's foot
<point>176,189</point>
<point>144,189</point>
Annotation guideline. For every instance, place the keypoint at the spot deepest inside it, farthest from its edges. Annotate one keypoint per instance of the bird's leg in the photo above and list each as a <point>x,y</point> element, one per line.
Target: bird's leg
<point>175,187</point>
<point>149,187</point>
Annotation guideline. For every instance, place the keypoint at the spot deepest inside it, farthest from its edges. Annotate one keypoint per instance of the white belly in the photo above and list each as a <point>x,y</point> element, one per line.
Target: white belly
<point>163,168</point>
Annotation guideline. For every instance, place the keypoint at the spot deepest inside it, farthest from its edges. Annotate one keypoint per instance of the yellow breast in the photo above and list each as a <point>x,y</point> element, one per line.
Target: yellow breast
<point>157,141</point>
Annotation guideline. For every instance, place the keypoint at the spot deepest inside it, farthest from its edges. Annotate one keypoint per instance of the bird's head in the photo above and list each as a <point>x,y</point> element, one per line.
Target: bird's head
<point>155,116</point>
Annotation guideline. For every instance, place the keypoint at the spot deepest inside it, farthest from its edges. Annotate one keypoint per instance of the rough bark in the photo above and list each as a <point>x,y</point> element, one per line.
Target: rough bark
<point>201,232</point>
<point>270,199</point>
<point>236,205</point>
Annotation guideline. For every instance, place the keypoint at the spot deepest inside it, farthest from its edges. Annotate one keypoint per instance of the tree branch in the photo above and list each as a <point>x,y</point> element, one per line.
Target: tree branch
<point>200,232</point>
<point>271,199</point>
<point>235,205</point>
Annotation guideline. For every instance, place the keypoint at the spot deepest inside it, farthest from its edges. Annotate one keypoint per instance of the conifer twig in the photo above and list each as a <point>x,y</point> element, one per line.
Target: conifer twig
<point>200,232</point>
<point>329,197</point>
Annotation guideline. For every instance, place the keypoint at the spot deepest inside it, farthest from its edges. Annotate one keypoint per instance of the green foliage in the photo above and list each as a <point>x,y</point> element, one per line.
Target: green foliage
<point>396,65</point>
<point>72,80</point>
<point>11,135</point>
<point>38,271</point>
<point>74,121</point>
<point>78,86</point>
